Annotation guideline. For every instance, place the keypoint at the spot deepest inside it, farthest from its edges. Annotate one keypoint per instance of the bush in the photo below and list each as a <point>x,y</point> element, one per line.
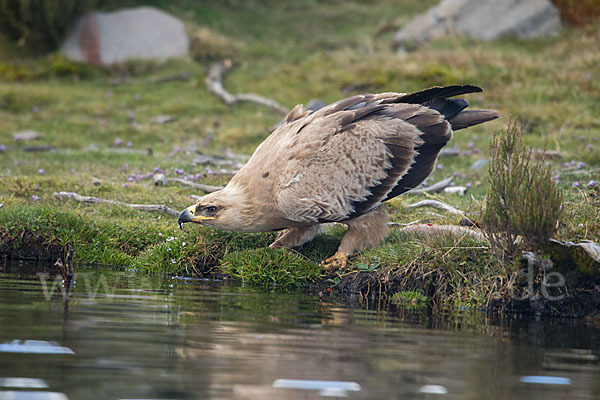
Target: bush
<point>578,12</point>
<point>206,44</point>
<point>522,199</point>
<point>40,23</point>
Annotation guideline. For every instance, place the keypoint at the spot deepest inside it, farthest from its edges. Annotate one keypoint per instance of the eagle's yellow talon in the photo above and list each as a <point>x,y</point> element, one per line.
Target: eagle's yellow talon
<point>336,261</point>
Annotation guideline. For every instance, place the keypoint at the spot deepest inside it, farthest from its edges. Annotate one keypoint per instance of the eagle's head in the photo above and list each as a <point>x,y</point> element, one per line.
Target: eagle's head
<point>224,209</point>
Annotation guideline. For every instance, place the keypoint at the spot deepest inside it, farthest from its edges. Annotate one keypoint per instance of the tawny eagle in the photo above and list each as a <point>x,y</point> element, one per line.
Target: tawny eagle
<point>339,164</point>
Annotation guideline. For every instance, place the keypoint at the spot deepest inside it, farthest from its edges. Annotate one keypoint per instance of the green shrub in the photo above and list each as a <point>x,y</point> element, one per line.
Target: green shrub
<point>206,44</point>
<point>40,23</point>
<point>522,199</point>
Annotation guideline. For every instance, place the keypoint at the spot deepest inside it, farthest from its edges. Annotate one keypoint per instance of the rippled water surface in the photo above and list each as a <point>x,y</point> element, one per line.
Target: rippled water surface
<point>126,335</point>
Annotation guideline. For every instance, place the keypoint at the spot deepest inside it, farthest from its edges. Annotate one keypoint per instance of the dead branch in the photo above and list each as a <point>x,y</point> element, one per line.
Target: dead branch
<point>214,82</point>
<point>199,186</point>
<point>436,230</point>
<point>141,207</point>
<point>436,204</point>
<point>435,188</point>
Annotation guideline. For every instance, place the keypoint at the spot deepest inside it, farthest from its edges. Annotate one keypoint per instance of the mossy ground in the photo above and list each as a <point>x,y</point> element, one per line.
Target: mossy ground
<point>101,123</point>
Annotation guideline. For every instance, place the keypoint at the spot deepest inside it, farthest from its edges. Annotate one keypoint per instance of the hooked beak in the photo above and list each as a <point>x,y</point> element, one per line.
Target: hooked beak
<point>189,215</point>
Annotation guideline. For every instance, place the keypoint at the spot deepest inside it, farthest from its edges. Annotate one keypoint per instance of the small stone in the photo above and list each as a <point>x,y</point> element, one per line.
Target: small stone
<point>27,135</point>
<point>480,164</point>
<point>459,190</point>
<point>163,119</point>
<point>160,180</point>
<point>96,181</point>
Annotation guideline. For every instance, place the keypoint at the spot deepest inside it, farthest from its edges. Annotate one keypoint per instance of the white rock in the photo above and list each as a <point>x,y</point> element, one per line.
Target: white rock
<point>459,190</point>
<point>27,135</point>
<point>160,180</point>
<point>163,119</point>
<point>128,34</point>
<point>482,19</point>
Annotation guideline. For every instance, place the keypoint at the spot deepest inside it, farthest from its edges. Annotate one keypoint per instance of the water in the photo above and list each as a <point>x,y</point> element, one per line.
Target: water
<point>124,335</point>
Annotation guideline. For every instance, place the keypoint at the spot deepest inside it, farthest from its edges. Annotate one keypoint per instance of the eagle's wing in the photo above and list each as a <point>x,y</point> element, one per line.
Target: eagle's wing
<point>348,157</point>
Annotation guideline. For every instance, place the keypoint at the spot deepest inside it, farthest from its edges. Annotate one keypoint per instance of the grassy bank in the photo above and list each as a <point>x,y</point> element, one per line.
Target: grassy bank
<point>106,142</point>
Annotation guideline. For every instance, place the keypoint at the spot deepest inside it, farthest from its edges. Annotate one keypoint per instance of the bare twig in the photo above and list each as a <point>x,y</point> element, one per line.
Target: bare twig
<point>436,230</point>
<point>141,207</point>
<point>435,188</point>
<point>199,186</point>
<point>400,225</point>
<point>436,204</point>
<point>214,82</point>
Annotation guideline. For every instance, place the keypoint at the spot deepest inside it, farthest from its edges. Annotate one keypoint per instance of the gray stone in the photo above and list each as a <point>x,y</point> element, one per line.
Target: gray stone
<point>480,164</point>
<point>160,180</point>
<point>27,135</point>
<point>481,19</point>
<point>139,33</point>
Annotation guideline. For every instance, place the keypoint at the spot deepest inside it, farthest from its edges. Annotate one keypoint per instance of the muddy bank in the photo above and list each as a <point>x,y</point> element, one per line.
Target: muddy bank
<point>533,291</point>
<point>29,246</point>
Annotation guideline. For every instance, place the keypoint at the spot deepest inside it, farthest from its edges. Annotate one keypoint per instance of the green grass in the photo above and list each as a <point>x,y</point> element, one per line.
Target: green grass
<point>291,52</point>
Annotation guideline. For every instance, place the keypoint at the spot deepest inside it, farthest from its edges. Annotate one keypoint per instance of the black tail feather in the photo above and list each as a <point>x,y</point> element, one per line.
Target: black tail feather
<point>449,108</point>
<point>438,91</point>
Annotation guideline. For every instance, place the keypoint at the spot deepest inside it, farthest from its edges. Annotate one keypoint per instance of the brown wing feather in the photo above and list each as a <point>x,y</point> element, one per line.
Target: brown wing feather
<point>434,133</point>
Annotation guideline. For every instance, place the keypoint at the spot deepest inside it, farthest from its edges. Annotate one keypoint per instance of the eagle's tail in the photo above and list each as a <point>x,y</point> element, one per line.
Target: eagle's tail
<point>468,118</point>
<point>453,110</point>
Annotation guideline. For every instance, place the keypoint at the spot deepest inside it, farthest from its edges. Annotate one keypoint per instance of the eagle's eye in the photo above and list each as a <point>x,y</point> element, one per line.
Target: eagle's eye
<point>211,210</point>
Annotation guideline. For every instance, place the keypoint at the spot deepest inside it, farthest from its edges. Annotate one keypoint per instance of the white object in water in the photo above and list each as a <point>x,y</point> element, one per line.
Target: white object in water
<point>28,383</point>
<point>546,380</point>
<point>34,347</point>
<point>325,388</point>
<point>433,389</point>
<point>26,395</point>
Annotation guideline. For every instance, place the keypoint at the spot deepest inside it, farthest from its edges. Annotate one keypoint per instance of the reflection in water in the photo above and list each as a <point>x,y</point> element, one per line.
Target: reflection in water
<point>34,347</point>
<point>142,336</point>
<point>25,383</point>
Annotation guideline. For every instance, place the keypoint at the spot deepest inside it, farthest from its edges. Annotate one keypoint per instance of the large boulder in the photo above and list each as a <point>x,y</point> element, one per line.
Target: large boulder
<point>129,34</point>
<point>481,19</point>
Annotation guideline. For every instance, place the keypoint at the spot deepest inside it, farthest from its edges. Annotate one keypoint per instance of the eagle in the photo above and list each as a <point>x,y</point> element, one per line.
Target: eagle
<point>339,164</point>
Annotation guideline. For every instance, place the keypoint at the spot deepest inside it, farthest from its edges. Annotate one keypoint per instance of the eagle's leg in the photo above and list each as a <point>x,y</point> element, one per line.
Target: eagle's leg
<point>368,230</point>
<point>295,236</point>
